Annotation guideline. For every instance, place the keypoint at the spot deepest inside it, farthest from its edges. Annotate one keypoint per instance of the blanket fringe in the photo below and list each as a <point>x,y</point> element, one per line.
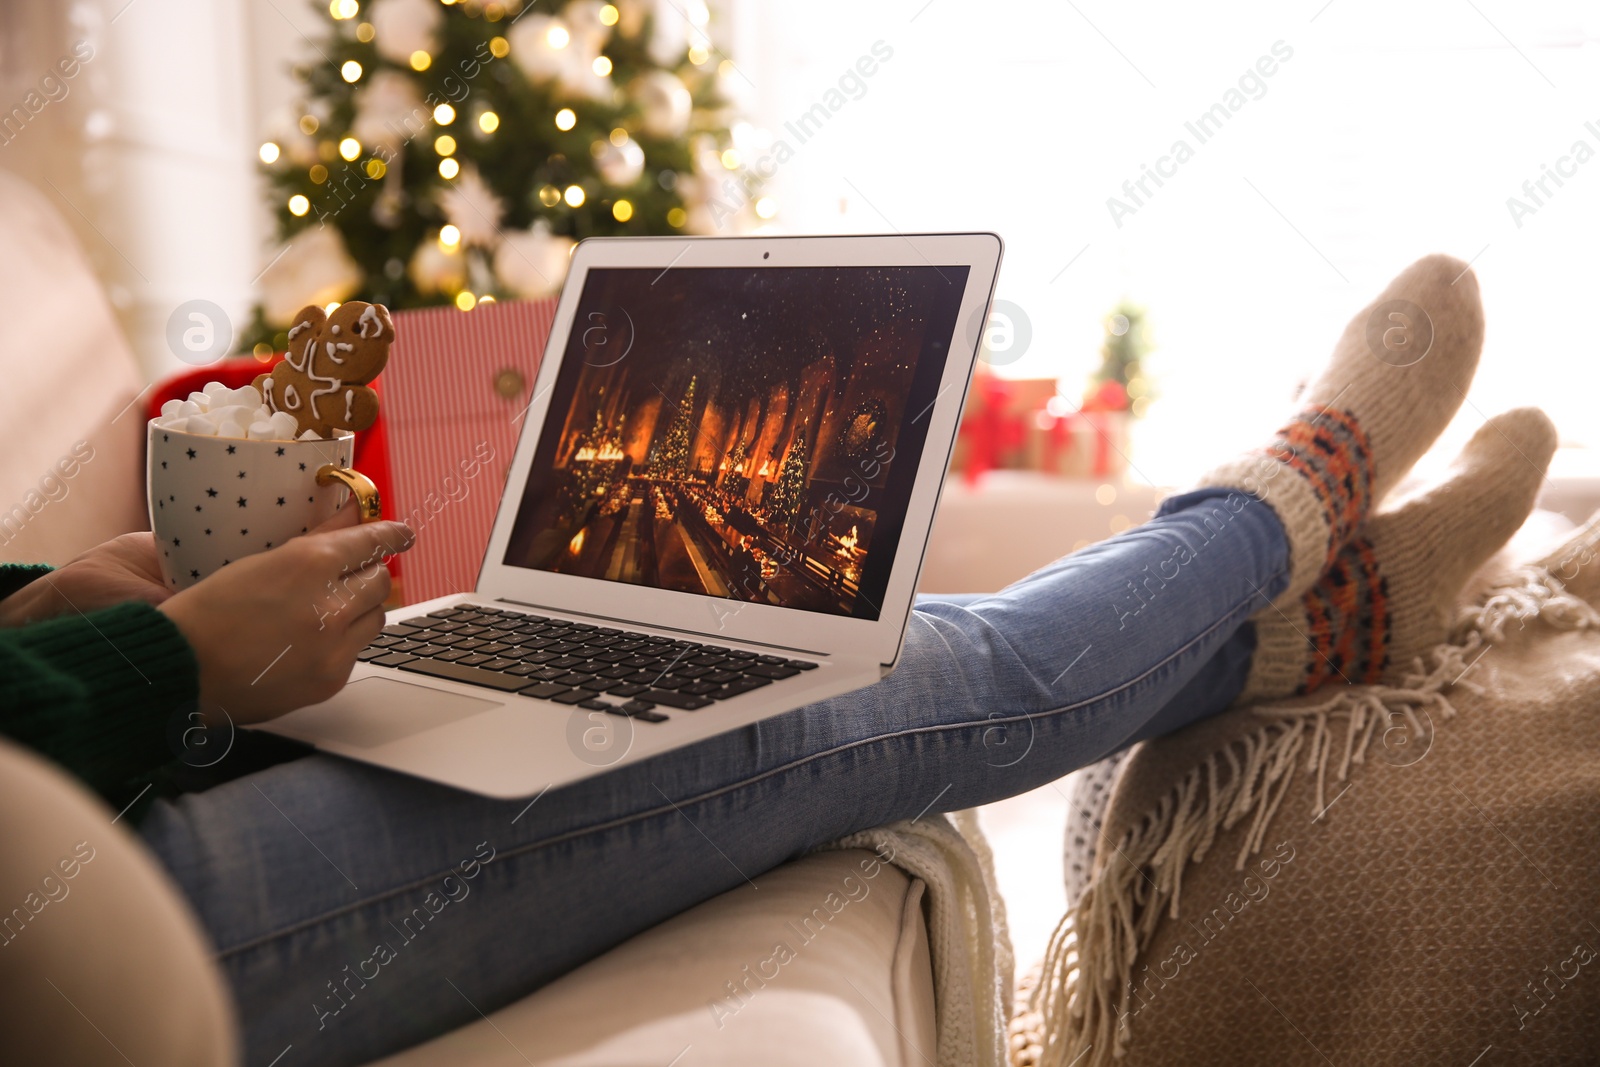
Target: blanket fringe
<point>1077,1003</point>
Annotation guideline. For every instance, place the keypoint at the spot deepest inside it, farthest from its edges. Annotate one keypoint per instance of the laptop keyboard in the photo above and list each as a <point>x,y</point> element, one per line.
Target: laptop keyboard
<point>574,662</point>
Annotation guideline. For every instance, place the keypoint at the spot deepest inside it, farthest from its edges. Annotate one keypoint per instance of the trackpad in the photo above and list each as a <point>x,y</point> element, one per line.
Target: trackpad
<point>375,711</point>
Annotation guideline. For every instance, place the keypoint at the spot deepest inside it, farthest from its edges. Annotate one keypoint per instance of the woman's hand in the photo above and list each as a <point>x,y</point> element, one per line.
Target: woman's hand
<point>116,572</point>
<point>281,629</point>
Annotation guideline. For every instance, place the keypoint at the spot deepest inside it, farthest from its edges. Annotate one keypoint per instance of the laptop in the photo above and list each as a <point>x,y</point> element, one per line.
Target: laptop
<point>716,512</point>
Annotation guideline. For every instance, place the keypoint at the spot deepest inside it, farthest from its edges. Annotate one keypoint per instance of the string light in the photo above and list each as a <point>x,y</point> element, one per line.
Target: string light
<point>269,153</point>
<point>602,66</point>
<point>448,168</point>
<point>331,308</point>
<point>1105,495</point>
<point>486,298</point>
<point>420,60</point>
<point>676,217</point>
<point>308,124</point>
<point>263,351</point>
<point>609,15</point>
<point>557,36</point>
<point>619,136</point>
<point>318,173</point>
<point>444,114</point>
<point>549,196</point>
<point>622,211</point>
<point>730,158</point>
<point>350,148</point>
<point>494,12</point>
<point>488,122</point>
<point>698,55</point>
<point>351,71</point>
<point>449,237</point>
<point>726,68</point>
<point>298,205</point>
<point>766,207</point>
<point>365,32</point>
<point>574,196</point>
<point>343,9</point>
<point>566,118</point>
<point>466,301</point>
<point>327,151</point>
<point>499,47</point>
<point>376,168</point>
<point>445,145</point>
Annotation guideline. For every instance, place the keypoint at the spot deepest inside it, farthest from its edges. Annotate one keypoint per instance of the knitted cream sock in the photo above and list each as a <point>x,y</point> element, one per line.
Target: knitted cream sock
<point>1398,374</point>
<point>1390,593</point>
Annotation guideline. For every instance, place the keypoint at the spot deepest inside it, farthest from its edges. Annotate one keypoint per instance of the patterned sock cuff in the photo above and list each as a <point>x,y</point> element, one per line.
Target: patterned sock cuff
<point>1348,619</point>
<point>1316,476</point>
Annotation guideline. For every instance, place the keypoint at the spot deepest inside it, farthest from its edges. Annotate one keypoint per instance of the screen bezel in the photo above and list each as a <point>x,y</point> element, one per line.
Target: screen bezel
<point>801,630</point>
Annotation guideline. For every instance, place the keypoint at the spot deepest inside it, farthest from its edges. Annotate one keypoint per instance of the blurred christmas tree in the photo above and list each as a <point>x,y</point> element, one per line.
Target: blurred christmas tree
<point>788,492</point>
<point>453,152</point>
<point>1121,384</point>
<point>673,458</point>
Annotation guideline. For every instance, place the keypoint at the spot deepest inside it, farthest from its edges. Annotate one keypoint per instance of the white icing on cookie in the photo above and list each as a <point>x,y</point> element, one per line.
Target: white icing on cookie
<point>371,316</point>
<point>349,396</point>
<point>297,327</point>
<point>291,397</point>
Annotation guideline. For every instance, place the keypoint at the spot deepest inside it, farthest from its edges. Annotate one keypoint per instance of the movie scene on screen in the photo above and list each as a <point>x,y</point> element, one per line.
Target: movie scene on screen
<point>752,434</point>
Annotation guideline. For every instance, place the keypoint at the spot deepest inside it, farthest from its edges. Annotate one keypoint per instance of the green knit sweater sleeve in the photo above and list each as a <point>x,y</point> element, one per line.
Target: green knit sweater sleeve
<point>96,692</point>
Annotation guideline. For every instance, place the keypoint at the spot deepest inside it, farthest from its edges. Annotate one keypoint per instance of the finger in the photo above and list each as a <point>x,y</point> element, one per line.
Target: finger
<point>360,591</point>
<point>356,547</point>
<point>341,519</point>
<point>363,630</point>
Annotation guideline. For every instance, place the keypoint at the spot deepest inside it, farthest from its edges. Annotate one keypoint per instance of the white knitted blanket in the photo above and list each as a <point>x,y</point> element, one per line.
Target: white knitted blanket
<point>968,939</point>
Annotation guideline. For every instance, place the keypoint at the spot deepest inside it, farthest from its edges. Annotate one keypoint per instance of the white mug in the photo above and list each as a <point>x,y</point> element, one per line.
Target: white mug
<point>217,499</point>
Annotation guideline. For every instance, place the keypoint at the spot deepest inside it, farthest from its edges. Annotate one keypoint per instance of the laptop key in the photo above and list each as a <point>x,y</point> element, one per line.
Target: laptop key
<point>373,653</point>
<point>600,705</point>
<point>406,646</point>
<point>800,664</point>
<point>384,641</point>
<point>473,659</point>
<point>401,630</point>
<point>681,701</point>
<point>700,689</point>
<point>773,660</point>
<point>721,677</point>
<point>767,670</point>
<point>575,696</point>
<point>456,672</point>
<point>544,690</point>
<point>472,631</point>
<point>393,659</point>
<point>450,655</point>
<point>545,674</point>
<point>744,685</point>
<point>520,668</point>
<point>627,689</point>
<point>493,648</point>
<point>498,664</point>
<point>470,644</point>
<point>536,657</point>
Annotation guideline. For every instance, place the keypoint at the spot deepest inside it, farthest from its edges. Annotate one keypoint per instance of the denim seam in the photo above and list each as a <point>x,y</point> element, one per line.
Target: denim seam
<point>672,807</point>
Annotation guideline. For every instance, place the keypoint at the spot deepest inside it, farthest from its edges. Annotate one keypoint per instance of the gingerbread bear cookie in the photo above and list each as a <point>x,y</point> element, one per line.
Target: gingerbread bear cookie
<point>322,380</point>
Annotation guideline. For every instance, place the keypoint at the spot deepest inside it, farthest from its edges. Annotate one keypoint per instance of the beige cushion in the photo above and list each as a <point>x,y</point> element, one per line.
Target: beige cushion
<point>71,471</point>
<point>859,993</point>
<point>101,962</point>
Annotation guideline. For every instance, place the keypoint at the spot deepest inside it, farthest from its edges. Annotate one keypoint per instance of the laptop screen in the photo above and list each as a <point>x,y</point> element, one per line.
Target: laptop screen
<point>749,433</point>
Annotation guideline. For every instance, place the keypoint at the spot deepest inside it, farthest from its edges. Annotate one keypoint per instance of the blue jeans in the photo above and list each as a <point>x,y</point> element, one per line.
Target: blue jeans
<point>342,897</point>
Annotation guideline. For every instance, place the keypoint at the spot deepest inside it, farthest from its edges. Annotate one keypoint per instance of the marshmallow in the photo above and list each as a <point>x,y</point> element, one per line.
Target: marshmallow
<point>262,431</point>
<point>200,400</point>
<point>214,389</point>
<point>203,425</point>
<point>173,422</point>
<point>232,428</point>
<point>189,407</point>
<point>283,425</point>
<point>170,408</point>
<point>309,435</point>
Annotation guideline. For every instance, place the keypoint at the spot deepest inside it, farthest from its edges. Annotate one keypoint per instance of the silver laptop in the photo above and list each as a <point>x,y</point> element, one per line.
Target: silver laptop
<point>716,512</point>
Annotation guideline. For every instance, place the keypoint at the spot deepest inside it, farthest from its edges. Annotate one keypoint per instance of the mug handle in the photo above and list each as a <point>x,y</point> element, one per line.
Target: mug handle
<point>360,486</point>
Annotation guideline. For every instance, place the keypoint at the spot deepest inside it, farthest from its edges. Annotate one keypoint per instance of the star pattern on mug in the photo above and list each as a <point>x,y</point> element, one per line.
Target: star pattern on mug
<point>191,453</point>
<point>243,502</point>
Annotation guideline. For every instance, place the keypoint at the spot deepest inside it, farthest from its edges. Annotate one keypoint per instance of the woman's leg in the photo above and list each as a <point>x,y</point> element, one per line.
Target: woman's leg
<point>340,898</point>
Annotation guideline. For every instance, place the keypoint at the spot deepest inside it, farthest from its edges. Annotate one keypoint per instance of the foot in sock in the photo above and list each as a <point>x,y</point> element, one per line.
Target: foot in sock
<point>1392,386</point>
<point>1390,593</point>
